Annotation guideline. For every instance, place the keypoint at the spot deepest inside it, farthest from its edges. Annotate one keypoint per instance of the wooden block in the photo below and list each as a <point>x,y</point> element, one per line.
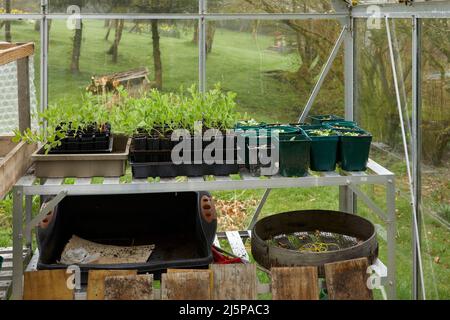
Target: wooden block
<point>186,285</point>
<point>47,285</point>
<point>347,280</point>
<point>138,287</point>
<point>12,53</point>
<point>185,270</point>
<point>96,281</point>
<point>23,90</point>
<point>14,163</point>
<point>234,282</point>
<point>297,283</point>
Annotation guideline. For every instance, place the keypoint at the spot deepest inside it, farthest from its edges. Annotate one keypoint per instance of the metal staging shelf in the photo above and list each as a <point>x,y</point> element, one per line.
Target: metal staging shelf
<point>348,182</point>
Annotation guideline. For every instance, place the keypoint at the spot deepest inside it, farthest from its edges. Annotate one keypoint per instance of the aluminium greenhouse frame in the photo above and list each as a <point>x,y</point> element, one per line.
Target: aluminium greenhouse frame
<point>347,15</point>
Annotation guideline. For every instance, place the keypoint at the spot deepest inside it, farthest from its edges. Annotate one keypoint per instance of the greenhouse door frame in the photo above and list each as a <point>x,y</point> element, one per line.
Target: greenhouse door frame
<point>415,11</point>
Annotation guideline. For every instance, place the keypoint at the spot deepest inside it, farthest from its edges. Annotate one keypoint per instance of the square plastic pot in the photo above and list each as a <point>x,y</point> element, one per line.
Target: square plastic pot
<point>342,125</point>
<point>323,155</point>
<point>354,151</point>
<point>294,155</point>
<point>319,119</point>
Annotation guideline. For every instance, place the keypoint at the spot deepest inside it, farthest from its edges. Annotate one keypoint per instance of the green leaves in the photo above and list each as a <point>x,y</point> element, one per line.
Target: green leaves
<point>154,112</point>
<point>321,132</point>
<point>161,113</point>
<point>62,119</point>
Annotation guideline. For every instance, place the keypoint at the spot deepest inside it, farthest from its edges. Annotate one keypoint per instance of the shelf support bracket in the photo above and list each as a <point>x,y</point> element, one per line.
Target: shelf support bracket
<point>323,74</point>
<point>46,208</point>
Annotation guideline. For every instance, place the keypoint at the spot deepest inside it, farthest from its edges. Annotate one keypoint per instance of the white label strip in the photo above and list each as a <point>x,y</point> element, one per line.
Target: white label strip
<point>236,244</point>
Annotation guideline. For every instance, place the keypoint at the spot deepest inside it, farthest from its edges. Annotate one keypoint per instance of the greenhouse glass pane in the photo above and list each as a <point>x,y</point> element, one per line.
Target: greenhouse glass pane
<point>125,6</point>
<point>435,169</point>
<point>113,46</point>
<point>270,6</point>
<point>20,6</point>
<point>377,111</point>
<point>18,31</point>
<point>274,65</point>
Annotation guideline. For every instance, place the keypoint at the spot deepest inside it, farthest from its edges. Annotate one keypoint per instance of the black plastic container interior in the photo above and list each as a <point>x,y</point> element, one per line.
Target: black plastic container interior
<point>171,221</point>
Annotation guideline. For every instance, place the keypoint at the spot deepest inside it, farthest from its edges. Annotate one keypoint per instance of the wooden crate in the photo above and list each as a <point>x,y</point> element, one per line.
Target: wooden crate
<point>15,159</point>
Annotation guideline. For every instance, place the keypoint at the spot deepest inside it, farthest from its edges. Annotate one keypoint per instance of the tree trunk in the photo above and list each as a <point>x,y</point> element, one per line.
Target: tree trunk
<point>157,55</point>
<point>110,25</point>
<point>196,30</point>
<point>76,50</point>
<point>8,37</point>
<point>107,23</point>
<point>114,50</point>
<point>210,32</point>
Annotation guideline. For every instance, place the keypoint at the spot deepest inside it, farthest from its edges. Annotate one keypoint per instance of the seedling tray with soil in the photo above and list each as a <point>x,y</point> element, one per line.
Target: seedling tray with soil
<point>84,165</point>
<point>92,139</point>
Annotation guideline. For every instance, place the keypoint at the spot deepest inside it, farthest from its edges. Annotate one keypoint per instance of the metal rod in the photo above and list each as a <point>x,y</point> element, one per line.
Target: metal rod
<point>44,58</point>
<point>323,74</point>
<point>191,16</point>
<point>202,46</point>
<point>28,217</point>
<point>349,57</point>
<point>427,9</point>
<point>259,209</point>
<point>416,143</point>
<point>17,244</point>
<point>405,145</point>
<point>348,196</point>
<point>400,79</point>
<point>369,202</point>
<point>391,233</point>
<point>46,208</point>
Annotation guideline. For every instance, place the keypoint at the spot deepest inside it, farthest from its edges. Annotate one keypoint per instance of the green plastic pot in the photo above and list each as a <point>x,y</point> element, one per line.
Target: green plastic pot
<point>319,119</point>
<point>257,137</point>
<point>349,125</point>
<point>247,127</point>
<point>294,155</point>
<point>354,151</point>
<point>323,155</point>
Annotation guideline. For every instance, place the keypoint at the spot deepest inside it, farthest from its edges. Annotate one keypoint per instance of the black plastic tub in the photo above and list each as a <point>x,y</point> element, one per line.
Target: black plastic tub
<point>175,223</point>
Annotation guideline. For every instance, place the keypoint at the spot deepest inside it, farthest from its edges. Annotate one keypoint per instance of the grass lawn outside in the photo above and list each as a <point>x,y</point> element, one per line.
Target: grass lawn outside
<point>240,63</point>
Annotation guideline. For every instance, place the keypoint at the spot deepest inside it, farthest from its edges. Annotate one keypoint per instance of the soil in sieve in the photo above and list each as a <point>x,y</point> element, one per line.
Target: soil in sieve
<point>314,241</point>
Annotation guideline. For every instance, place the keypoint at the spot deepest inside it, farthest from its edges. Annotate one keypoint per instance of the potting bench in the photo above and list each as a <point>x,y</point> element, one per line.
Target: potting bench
<point>348,182</point>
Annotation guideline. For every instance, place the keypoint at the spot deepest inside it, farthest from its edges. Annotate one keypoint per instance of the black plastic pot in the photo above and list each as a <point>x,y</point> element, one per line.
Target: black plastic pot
<point>153,144</point>
<point>88,140</point>
<point>140,142</point>
<point>179,226</point>
<point>101,141</point>
<point>146,164</point>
